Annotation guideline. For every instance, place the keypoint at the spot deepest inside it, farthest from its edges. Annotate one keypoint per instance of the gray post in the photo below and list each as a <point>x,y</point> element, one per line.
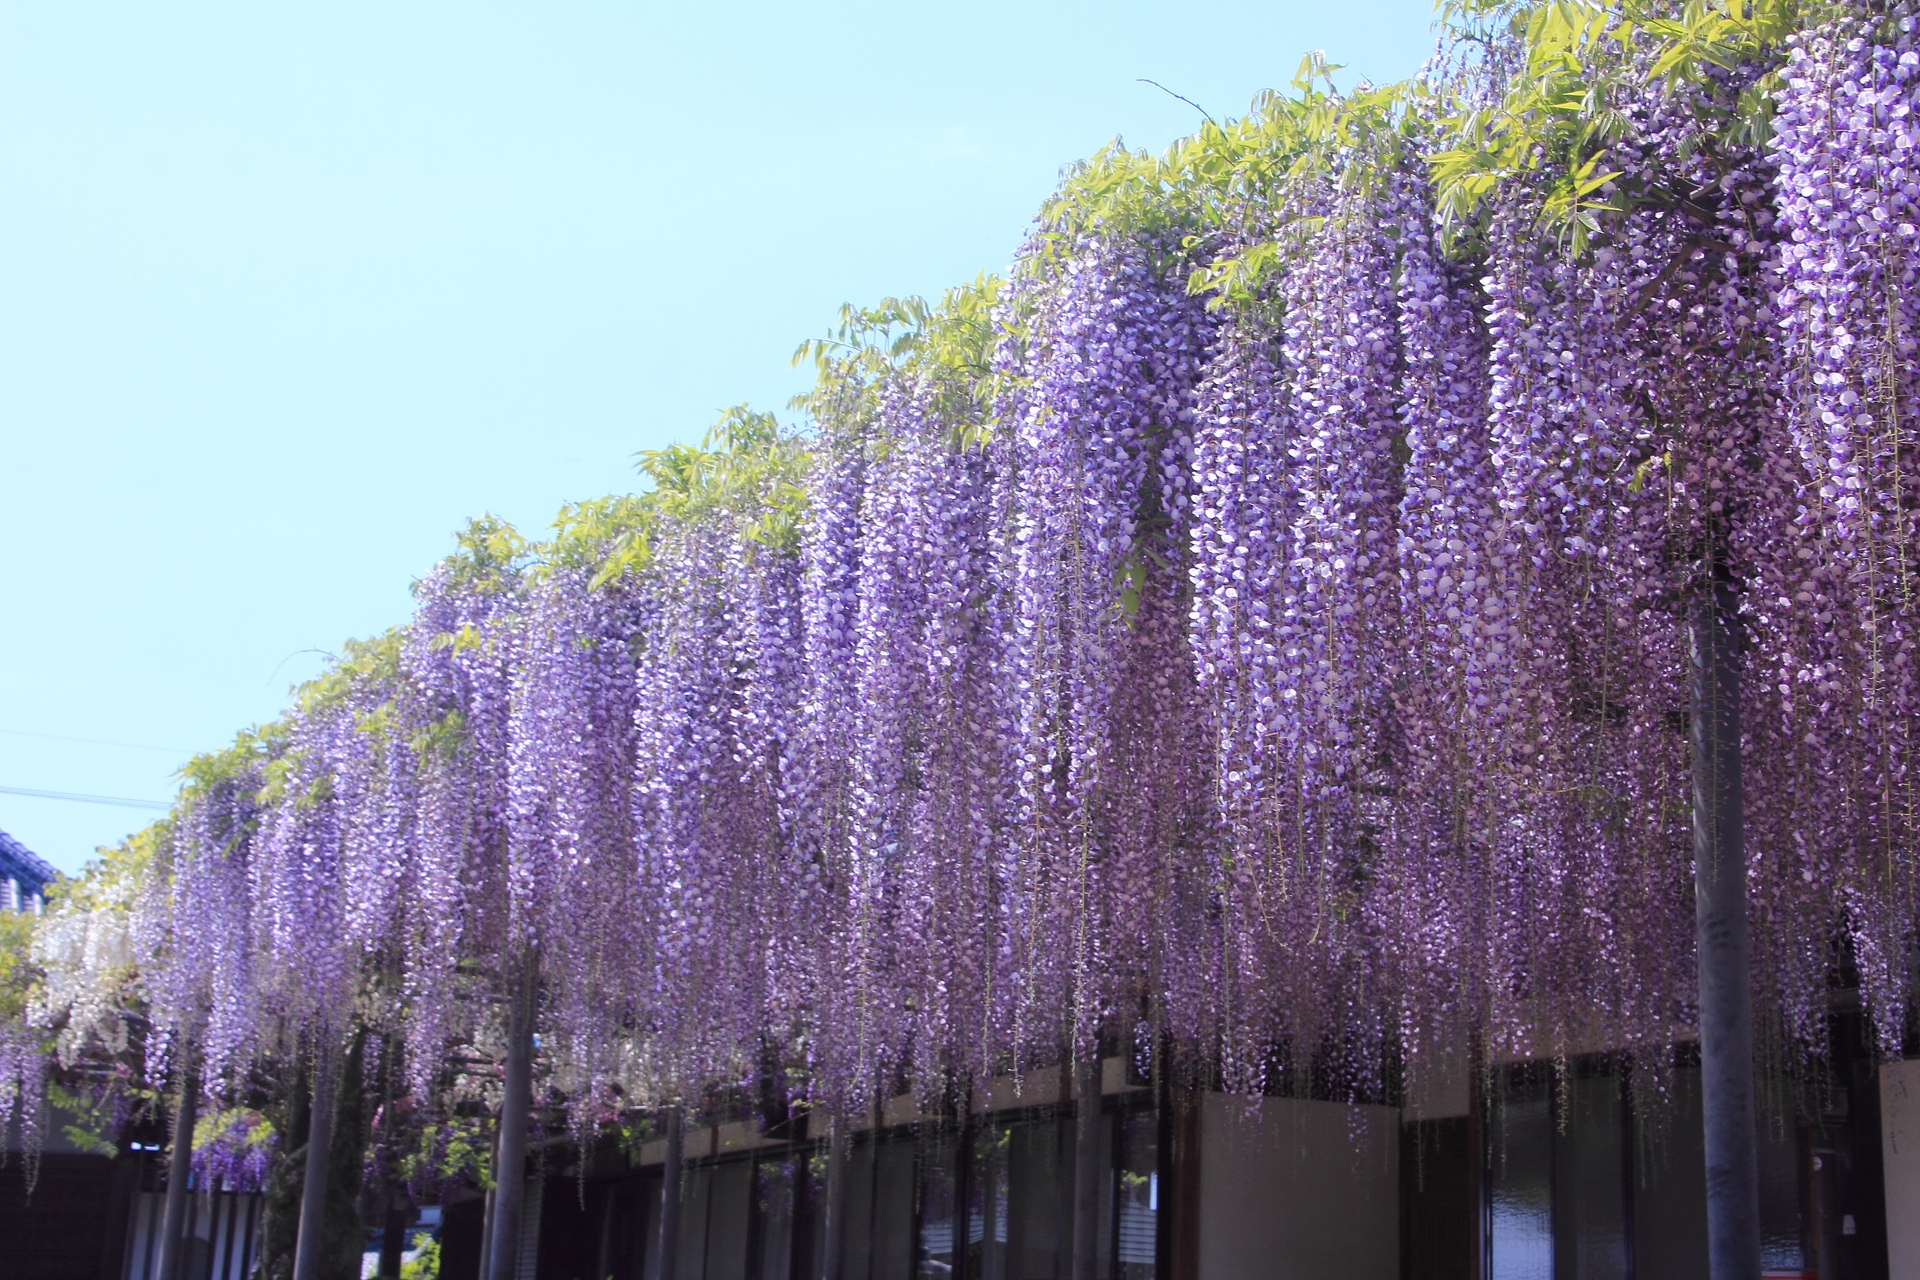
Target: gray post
<point>1720,935</point>
<point>516,1101</point>
<point>393,1238</point>
<point>670,1177</point>
<point>313,1187</point>
<point>173,1219</point>
<point>833,1250</point>
<point>1086,1167</point>
<point>486,1207</point>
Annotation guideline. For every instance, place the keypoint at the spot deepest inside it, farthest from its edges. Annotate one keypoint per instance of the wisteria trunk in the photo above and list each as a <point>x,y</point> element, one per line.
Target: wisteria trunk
<point>393,1237</point>
<point>1720,924</point>
<point>308,1248</point>
<point>173,1222</point>
<point>510,1177</point>
<point>1086,1167</point>
<point>670,1175</point>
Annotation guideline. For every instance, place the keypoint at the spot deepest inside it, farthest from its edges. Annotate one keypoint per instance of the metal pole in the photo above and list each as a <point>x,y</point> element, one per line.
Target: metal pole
<point>188,1270</point>
<point>313,1188</point>
<point>149,1253</point>
<point>1720,932</point>
<point>246,1242</point>
<point>223,1211</point>
<point>1086,1167</point>
<point>510,1176</point>
<point>173,1220</point>
<point>670,1175</point>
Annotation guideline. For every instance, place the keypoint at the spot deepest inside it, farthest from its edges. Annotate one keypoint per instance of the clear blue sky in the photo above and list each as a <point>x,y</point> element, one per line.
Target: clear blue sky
<point>287,292</point>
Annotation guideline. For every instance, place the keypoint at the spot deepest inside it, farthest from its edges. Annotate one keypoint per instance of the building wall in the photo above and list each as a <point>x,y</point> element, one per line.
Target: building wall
<point>74,1224</point>
<point>1900,1150</point>
<point>1298,1188</point>
<point>223,1237</point>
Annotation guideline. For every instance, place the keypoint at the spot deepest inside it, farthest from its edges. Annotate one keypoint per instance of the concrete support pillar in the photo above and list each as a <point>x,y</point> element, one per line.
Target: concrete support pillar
<point>313,1189</point>
<point>1720,929</point>
<point>173,1218</point>
<point>671,1177</point>
<point>516,1102</point>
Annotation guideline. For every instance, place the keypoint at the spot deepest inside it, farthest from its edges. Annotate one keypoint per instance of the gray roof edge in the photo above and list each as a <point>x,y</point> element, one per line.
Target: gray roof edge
<point>23,864</point>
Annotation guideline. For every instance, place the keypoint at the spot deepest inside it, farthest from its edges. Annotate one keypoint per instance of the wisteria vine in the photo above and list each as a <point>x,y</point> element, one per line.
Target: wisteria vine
<point>1293,681</point>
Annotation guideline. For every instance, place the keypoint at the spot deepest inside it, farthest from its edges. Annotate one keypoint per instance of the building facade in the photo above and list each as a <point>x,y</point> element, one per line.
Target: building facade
<point>1584,1169</point>
<point>24,876</point>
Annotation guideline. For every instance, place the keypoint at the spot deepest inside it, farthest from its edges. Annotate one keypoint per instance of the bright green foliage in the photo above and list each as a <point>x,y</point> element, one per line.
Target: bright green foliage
<point>747,467</point>
<point>18,972</point>
<point>457,1148</point>
<point>1555,119</point>
<point>947,347</point>
<point>110,879</point>
<point>261,747</point>
<point>1577,60</point>
<point>490,555</point>
<point>86,1118</point>
<point>1231,192</point>
<point>425,1263</point>
<point>213,1126</point>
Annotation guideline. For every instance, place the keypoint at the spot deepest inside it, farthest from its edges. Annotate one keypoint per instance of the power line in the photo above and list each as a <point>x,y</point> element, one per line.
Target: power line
<point>96,742</point>
<point>77,797</point>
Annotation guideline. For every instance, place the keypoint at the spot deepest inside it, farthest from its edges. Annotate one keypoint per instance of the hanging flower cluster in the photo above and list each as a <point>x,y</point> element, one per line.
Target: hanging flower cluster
<point>1842,606</point>
<point>234,1150</point>
<point>1111,762</point>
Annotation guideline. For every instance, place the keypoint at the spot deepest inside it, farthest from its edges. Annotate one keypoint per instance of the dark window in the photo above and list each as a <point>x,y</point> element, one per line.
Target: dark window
<point>1589,1178</point>
<point>1436,1199</point>
<point>1594,1171</point>
<point>1009,1184</point>
<point>696,1194</point>
<point>857,1240</point>
<point>1520,1178</point>
<point>775,1192</point>
<point>941,1186</point>
<point>894,1174</point>
<point>729,1205</point>
<point>1137,1195</point>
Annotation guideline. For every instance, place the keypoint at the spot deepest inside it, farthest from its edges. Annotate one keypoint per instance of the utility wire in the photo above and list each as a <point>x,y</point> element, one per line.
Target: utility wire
<point>124,802</point>
<point>95,742</point>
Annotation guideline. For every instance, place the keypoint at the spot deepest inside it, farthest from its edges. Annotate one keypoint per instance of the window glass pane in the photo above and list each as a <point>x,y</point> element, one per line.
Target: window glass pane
<point>1589,1218</point>
<point>773,1213</point>
<point>1670,1179</point>
<point>730,1194</point>
<point>1139,1195</point>
<point>987,1207</point>
<point>1783,1225</point>
<point>1521,1180</point>
<point>1039,1194</point>
<point>637,1206</point>
<point>1437,1186</point>
<point>694,1188</point>
<point>857,1240</point>
<point>939,1155</point>
<point>893,1198</point>
<point>810,1215</point>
